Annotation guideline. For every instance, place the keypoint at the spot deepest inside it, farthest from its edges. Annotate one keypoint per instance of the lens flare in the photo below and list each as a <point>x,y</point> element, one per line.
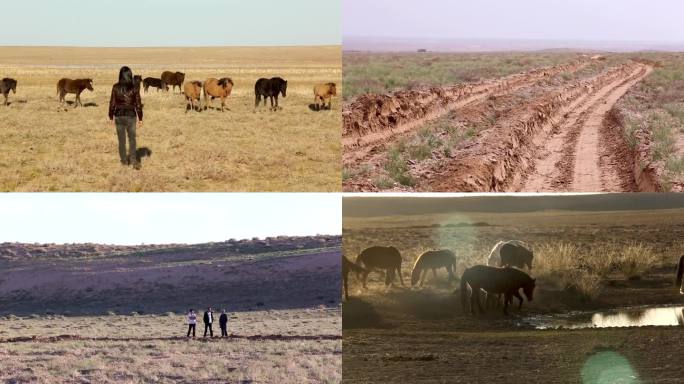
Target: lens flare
<point>608,367</point>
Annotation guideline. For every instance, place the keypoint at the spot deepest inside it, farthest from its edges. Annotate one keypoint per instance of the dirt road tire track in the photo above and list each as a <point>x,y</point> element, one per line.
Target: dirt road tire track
<point>572,162</point>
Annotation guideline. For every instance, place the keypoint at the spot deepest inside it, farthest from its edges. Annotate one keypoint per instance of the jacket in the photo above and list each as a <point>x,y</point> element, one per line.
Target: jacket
<point>208,317</point>
<point>192,318</point>
<point>223,319</point>
<point>125,100</point>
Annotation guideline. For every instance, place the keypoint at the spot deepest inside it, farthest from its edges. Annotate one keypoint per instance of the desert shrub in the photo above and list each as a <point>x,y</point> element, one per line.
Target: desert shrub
<point>635,259</point>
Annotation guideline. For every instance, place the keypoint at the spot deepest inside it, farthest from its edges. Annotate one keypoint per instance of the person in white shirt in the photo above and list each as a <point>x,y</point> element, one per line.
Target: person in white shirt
<point>192,322</point>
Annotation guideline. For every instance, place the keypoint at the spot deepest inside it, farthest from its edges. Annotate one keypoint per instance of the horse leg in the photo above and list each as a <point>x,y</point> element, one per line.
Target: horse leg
<point>423,273</point>
<point>520,299</point>
<point>507,298</point>
<point>389,276</point>
<point>477,299</point>
<point>276,101</point>
<point>434,274</point>
<point>257,99</point>
<point>365,277</point>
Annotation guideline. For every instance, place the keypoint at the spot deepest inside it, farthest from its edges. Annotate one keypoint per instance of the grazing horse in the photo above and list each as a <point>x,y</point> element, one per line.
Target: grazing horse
<point>269,88</point>
<point>433,260</point>
<point>193,91</point>
<point>172,79</point>
<point>66,86</point>
<point>217,88</point>
<point>495,257</point>
<point>348,266</point>
<point>153,82</point>
<point>495,280</point>
<point>7,85</point>
<point>387,258</point>
<point>323,92</point>
<point>680,273</point>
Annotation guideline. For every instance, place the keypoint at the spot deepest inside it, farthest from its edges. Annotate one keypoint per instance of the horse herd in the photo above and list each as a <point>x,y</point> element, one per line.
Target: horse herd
<point>502,274</point>
<point>211,88</point>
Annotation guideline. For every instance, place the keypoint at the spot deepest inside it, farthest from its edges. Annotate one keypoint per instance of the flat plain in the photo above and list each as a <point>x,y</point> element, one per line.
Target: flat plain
<point>48,147</point>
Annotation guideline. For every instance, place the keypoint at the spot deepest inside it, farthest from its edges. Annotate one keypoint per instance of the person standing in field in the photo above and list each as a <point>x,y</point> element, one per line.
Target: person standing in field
<point>124,106</point>
<point>223,322</point>
<point>208,321</point>
<point>192,322</point>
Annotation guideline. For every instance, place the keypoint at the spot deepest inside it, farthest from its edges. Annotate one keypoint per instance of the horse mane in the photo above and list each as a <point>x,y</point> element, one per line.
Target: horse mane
<point>225,80</point>
<point>331,84</point>
<point>197,83</point>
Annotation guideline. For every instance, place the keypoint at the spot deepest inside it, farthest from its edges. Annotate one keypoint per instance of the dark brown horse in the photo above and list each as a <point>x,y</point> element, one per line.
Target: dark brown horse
<point>172,79</point>
<point>269,88</point>
<point>680,273</point>
<point>348,266</point>
<point>494,280</point>
<point>387,258</point>
<point>66,86</point>
<point>515,255</point>
<point>7,85</point>
<point>153,82</point>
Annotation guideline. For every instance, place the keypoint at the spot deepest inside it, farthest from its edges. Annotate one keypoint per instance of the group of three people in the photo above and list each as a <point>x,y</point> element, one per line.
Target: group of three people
<point>208,320</point>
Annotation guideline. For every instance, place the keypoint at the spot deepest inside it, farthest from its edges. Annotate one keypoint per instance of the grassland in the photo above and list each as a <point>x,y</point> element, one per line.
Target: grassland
<point>49,148</point>
<point>152,348</point>
<point>653,125</point>
<point>584,261</point>
<point>385,72</point>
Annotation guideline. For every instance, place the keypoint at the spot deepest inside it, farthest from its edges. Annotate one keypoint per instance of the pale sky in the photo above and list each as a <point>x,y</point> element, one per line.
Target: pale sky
<point>161,218</point>
<point>590,20</point>
<point>134,23</point>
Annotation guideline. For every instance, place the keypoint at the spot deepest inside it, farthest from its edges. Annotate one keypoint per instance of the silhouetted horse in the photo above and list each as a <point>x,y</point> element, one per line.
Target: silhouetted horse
<point>494,280</point>
<point>494,259</point>
<point>387,258</point>
<point>220,88</point>
<point>515,255</point>
<point>7,85</point>
<point>433,260</point>
<point>172,79</point>
<point>66,86</point>
<point>269,88</point>
<point>680,273</point>
<point>348,266</point>
<point>153,82</point>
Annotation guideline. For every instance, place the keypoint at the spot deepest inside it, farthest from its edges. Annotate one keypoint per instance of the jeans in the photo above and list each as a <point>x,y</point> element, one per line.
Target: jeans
<point>126,125</point>
<point>191,327</point>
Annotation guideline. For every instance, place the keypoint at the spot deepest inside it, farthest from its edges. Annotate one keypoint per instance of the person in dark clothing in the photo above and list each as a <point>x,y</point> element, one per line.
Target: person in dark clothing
<point>124,106</point>
<point>192,322</point>
<point>208,320</point>
<point>223,322</point>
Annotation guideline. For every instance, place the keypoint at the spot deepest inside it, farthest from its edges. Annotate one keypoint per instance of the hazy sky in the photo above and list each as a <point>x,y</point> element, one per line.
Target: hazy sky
<point>170,22</point>
<point>595,20</point>
<point>159,218</point>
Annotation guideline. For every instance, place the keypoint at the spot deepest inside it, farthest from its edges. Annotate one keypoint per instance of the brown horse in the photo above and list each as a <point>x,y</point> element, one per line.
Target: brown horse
<point>387,258</point>
<point>66,86</point>
<point>172,79</point>
<point>515,255</point>
<point>680,273</point>
<point>192,91</point>
<point>217,88</point>
<point>433,260</point>
<point>494,280</point>
<point>323,92</point>
<point>7,85</point>
<point>348,266</point>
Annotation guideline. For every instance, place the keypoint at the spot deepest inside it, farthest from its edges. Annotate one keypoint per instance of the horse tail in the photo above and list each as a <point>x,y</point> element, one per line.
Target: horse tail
<point>680,271</point>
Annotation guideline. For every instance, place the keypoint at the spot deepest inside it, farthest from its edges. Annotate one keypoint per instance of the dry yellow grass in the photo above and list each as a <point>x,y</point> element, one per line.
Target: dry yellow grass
<point>48,149</point>
<point>173,361</point>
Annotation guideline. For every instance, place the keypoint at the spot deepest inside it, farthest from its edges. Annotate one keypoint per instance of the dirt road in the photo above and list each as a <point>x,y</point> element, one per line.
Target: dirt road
<point>544,131</point>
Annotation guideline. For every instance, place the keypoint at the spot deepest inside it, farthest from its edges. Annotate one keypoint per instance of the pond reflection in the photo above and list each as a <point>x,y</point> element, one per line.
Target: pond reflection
<point>632,317</point>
